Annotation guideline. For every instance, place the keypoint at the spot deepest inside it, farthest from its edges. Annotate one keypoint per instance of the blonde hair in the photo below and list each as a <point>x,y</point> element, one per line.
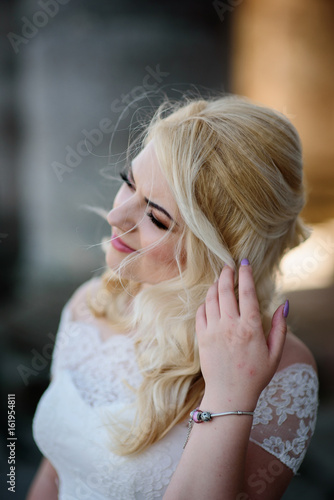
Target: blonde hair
<point>235,170</point>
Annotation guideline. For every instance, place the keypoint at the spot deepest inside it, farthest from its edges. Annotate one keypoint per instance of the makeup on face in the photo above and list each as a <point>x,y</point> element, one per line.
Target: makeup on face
<point>143,222</point>
<point>128,178</point>
<point>119,245</point>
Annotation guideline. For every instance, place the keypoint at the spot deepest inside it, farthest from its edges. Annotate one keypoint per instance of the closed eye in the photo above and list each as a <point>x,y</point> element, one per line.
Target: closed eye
<point>127,180</point>
<point>155,221</point>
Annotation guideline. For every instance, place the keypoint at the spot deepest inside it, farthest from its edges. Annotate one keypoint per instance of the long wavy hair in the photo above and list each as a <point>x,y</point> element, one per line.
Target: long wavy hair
<point>235,171</point>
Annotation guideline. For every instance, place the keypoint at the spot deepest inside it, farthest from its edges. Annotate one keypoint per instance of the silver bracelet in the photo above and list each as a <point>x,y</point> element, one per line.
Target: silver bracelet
<point>198,416</point>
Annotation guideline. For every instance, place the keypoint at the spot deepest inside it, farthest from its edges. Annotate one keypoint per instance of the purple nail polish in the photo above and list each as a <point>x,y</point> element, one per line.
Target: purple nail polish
<point>244,262</point>
<point>286,309</point>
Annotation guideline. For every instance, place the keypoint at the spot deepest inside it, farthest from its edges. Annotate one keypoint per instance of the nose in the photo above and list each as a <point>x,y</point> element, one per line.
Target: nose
<point>123,215</point>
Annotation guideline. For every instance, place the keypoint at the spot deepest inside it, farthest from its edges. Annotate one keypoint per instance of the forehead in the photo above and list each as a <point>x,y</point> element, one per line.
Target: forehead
<point>150,179</point>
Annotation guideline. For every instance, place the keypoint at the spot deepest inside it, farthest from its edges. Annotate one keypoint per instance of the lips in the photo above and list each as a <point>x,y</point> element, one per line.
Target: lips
<point>119,245</point>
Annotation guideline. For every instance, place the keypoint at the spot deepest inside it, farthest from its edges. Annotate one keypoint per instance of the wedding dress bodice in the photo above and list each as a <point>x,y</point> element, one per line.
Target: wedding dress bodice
<point>91,383</point>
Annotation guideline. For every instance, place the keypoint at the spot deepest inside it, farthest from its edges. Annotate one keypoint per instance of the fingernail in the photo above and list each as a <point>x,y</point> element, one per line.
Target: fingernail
<point>244,262</point>
<point>286,309</point>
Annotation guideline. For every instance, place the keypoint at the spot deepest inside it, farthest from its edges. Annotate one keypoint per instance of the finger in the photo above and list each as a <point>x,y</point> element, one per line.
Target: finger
<point>248,302</point>
<point>201,322</point>
<point>212,304</point>
<point>227,301</point>
<point>277,335</point>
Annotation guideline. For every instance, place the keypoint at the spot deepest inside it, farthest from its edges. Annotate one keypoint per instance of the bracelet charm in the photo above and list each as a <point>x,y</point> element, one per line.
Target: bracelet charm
<point>204,416</point>
<point>198,416</point>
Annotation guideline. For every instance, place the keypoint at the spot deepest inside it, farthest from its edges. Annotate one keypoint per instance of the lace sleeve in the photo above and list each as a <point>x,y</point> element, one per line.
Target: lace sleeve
<point>286,413</point>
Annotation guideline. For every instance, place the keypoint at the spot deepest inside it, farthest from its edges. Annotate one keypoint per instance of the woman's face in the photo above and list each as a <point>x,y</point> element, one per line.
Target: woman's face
<point>144,209</point>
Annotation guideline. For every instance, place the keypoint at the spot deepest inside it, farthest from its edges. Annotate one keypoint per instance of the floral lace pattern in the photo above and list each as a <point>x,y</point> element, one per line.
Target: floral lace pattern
<point>291,398</point>
<point>73,436</point>
<point>93,380</point>
<point>102,371</point>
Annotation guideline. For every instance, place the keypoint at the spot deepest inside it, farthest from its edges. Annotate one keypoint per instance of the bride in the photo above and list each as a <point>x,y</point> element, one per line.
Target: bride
<point>175,375</point>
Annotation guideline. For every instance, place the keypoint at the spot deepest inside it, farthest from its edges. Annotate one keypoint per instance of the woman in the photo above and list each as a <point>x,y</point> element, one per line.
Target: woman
<point>183,322</point>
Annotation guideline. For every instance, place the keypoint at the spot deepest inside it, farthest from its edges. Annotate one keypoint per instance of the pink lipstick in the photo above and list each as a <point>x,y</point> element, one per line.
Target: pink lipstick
<point>119,245</point>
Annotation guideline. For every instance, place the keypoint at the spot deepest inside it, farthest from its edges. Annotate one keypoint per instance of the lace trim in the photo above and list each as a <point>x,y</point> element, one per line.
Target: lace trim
<point>75,439</point>
<point>291,398</point>
<point>105,372</point>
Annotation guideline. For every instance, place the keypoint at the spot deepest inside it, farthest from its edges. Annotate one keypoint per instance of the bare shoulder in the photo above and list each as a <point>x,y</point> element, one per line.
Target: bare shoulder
<point>78,303</point>
<point>295,351</point>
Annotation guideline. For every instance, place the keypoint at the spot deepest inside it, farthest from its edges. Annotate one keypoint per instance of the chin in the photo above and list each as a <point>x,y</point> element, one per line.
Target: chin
<point>113,263</point>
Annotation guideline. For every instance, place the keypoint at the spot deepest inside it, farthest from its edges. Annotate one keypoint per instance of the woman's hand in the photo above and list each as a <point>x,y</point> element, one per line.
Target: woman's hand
<point>237,361</point>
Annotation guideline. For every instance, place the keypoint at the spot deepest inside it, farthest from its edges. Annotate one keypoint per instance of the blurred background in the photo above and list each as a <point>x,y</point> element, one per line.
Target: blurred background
<point>74,75</point>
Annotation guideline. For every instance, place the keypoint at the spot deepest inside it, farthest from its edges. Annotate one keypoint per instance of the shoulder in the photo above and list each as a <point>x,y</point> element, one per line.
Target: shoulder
<point>283,423</point>
<point>295,351</point>
<point>79,302</point>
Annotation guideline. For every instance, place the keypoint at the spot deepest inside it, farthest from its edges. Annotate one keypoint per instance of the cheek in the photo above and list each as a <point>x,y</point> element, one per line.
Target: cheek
<point>163,255</point>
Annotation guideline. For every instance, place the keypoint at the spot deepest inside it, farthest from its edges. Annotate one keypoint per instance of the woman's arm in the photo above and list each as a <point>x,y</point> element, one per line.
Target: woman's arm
<point>237,363</point>
<point>45,483</point>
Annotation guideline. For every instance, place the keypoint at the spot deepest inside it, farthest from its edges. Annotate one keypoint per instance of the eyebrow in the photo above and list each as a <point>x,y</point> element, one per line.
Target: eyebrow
<point>149,202</point>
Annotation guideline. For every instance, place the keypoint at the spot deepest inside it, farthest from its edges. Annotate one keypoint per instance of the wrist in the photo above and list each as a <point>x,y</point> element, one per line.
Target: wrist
<point>227,402</point>
<point>236,419</point>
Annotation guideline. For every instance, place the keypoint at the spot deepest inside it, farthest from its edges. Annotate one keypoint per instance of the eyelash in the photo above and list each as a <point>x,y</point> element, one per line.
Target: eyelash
<point>125,178</point>
<point>155,221</point>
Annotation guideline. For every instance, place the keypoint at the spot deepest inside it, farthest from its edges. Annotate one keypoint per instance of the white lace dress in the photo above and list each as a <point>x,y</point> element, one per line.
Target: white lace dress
<point>88,374</point>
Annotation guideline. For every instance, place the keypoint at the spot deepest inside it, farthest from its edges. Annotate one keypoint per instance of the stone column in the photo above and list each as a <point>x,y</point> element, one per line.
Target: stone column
<point>283,56</point>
